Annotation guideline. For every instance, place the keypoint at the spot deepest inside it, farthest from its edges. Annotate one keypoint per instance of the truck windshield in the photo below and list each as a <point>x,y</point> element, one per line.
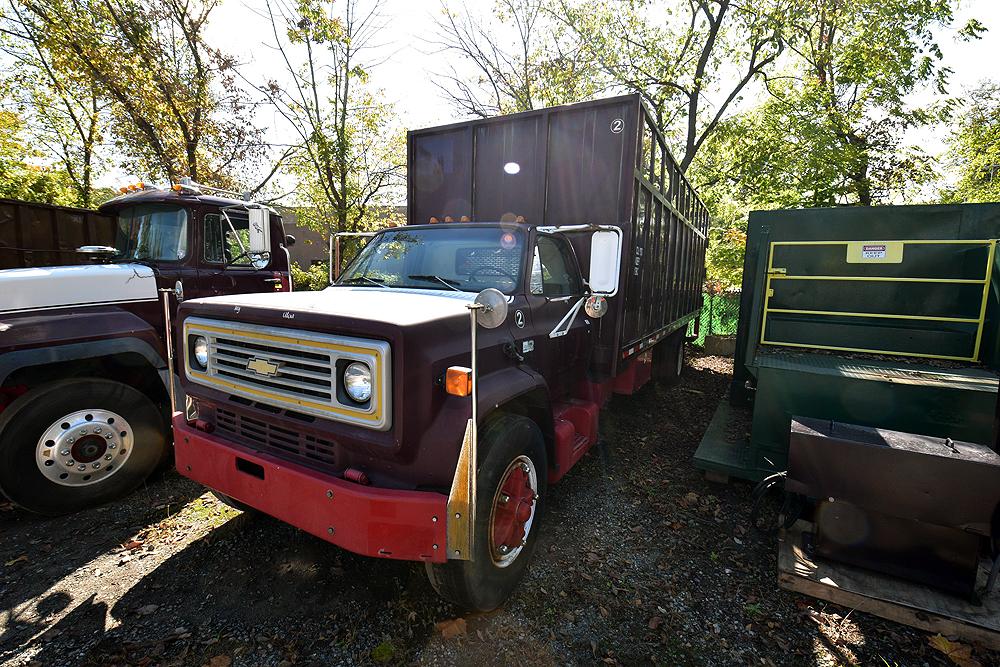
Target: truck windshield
<point>467,259</point>
<point>154,232</point>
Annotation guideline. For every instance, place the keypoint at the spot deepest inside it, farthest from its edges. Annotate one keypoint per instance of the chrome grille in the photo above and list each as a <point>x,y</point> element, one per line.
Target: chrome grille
<point>292,369</point>
<point>276,440</point>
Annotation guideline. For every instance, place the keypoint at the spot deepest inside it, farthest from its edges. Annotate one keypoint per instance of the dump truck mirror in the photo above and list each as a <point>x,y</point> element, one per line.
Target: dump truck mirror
<point>605,262</point>
<point>260,232</point>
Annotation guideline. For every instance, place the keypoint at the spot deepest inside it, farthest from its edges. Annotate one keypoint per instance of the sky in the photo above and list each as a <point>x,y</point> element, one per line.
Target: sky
<point>238,27</point>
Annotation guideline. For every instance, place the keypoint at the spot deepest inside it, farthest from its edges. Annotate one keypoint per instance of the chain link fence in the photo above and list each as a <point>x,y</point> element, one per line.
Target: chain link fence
<point>720,315</point>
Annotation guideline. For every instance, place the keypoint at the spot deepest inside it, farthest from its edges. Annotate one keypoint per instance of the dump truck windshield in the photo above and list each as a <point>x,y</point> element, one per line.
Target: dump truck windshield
<point>152,232</point>
<point>466,259</point>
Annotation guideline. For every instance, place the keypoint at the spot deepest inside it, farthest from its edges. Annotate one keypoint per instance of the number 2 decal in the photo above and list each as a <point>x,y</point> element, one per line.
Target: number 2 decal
<point>617,125</point>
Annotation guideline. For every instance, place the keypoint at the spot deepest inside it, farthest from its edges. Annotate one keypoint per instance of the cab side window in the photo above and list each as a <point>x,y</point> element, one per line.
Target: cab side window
<point>553,272</point>
<point>220,245</point>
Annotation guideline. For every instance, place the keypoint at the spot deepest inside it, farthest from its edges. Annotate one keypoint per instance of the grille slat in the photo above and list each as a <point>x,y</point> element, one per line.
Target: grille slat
<point>286,369</point>
<point>275,440</point>
<point>272,354</point>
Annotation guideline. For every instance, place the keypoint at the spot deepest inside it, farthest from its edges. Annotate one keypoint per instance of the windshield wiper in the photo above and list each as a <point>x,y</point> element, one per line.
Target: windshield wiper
<point>450,284</point>
<point>377,282</point>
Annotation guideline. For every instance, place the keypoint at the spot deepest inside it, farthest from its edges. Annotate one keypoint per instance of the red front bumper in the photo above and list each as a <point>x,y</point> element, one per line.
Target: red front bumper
<point>407,525</point>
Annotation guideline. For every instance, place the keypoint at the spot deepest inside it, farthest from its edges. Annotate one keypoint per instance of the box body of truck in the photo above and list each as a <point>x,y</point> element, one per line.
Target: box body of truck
<point>602,163</point>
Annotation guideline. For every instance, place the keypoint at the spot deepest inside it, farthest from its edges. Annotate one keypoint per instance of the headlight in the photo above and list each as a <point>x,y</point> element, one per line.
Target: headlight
<point>358,381</point>
<point>199,347</point>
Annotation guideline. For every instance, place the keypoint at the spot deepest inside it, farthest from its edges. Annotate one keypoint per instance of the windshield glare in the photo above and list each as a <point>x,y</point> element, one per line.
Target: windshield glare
<point>152,232</point>
<point>461,258</point>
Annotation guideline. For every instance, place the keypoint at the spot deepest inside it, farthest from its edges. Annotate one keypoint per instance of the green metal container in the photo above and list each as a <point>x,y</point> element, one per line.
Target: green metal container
<point>883,317</point>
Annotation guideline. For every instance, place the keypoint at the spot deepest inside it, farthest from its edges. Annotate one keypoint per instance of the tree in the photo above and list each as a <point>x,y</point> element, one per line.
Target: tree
<point>65,113</point>
<point>348,156</point>
<point>176,109</point>
<point>832,129</point>
<point>19,178</point>
<point>690,61</point>
<point>975,147</point>
<point>540,70</point>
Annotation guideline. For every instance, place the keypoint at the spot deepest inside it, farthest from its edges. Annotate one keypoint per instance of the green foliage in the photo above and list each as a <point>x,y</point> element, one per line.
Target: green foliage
<point>173,102</point>
<point>315,278</point>
<point>831,131</point>
<point>975,147</point>
<point>20,177</point>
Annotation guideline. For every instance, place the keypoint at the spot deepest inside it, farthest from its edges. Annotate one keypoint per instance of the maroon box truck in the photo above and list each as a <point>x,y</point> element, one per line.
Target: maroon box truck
<point>379,416</point>
<point>84,382</point>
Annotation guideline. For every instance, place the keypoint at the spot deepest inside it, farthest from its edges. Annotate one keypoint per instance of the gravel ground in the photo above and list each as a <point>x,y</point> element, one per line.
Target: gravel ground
<point>641,560</point>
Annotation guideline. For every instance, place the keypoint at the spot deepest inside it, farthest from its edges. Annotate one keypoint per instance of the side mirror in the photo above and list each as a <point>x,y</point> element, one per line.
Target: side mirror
<point>605,262</point>
<point>289,240</point>
<point>260,232</point>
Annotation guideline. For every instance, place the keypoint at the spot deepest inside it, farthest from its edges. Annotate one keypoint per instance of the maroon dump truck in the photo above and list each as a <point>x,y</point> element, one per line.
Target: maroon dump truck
<point>84,382</point>
<point>419,408</point>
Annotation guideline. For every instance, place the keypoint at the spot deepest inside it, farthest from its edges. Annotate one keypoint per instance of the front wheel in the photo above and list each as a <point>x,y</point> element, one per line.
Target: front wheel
<point>510,499</point>
<point>75,443</point>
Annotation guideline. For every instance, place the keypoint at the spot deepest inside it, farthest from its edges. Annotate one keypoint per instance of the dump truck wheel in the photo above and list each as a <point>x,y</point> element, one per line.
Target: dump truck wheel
<point>75,443</point>
<point>668,359</point>
<point>509,504</point>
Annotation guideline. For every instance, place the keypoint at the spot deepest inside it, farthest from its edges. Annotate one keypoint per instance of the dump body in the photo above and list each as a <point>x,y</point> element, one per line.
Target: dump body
<point>44,235</point>
<point>598,163</point>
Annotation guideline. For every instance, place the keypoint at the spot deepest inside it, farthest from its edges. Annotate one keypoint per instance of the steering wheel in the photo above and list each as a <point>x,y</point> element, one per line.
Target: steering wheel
<point>497,271</point>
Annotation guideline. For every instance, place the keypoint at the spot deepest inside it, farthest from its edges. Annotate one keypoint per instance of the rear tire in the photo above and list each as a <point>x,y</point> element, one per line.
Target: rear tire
<point>668,359</point>
<point>514,455</point>
<point>72,444</point>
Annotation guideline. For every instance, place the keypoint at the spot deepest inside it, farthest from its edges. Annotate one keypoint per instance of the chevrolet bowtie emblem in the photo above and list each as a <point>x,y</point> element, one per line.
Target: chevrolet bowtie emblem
<point>264,367</point>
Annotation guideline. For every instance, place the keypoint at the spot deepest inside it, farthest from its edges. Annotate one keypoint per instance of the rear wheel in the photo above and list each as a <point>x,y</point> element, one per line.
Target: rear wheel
<point>668,358</point>
<point>510,499</point>
<point>75,443</point>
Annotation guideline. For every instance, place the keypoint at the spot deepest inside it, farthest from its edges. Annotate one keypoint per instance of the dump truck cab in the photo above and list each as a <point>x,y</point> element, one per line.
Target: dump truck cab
<point>84,379</point>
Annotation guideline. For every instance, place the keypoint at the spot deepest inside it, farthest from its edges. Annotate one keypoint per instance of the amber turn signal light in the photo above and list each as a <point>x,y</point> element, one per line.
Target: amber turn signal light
<point>458,381</point>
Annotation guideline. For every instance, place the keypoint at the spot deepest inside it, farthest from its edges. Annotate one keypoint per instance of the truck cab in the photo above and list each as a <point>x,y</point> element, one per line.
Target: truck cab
<point>84,379</point>
<point>420,406</point>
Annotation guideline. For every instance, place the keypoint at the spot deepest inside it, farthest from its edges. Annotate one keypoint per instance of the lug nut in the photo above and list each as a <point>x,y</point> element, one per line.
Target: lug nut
<point>64,452</point>
<point>83,431</point>
<point>109,436</point>
<point>112,446</point>
<point>71,463</point>
<point>97,464</point>
<point>81,467</point>
<point>97,430</point>
<point>108,457</point>
<point>71,440</point>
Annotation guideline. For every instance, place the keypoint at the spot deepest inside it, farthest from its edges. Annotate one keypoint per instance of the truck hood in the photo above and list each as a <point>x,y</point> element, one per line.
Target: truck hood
<point>85,285</point>
<point>400,306</point>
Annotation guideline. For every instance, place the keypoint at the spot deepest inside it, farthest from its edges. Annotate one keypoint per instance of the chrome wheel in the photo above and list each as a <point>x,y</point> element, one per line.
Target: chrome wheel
<point>85,447</point>
<point>513,511</point>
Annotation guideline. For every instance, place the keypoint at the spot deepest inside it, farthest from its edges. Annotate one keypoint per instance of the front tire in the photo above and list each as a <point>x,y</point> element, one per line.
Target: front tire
<point>510,500</point>
<point>72,444</point>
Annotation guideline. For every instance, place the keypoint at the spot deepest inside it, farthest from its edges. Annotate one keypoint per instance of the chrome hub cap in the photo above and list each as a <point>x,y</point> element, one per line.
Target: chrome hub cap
<point>513,511</point>
<point>84,447</point>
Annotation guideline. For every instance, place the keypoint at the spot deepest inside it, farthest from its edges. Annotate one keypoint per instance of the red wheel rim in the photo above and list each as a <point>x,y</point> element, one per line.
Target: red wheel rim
<point>513,511</point>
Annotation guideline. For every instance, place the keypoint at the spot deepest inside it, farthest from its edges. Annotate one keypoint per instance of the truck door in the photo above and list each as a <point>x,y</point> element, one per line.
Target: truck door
<point>224,268</point>
<point>554,288</point>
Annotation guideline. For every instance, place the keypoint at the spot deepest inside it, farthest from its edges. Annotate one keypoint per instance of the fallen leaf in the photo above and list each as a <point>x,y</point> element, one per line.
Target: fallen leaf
<point>23,558</point>
<point>133,545</point>
<point>220,661</point>
<point>454,627</point>
<point>148,609</point>
<point>655,622</point>
<point>960,654</point>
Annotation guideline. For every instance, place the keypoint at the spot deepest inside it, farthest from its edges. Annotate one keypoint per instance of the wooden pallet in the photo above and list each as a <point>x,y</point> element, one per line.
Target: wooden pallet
<point>908,603</point>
